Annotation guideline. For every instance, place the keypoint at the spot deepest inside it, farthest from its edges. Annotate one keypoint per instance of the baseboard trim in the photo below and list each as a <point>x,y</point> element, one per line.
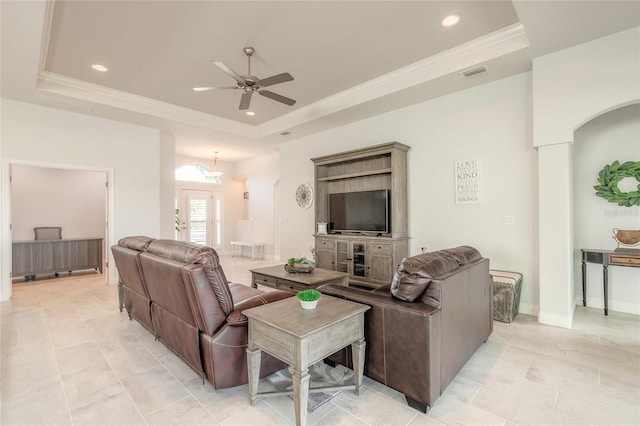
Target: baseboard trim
<point>549,318</point>
<point>528,309</point>
<point>614,305</point>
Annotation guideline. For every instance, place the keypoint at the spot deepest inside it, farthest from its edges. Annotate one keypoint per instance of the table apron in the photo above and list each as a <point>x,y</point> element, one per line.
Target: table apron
<point>310,349</point>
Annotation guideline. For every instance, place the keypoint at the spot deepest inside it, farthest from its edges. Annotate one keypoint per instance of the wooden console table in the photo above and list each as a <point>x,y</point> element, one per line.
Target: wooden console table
<point>52,256</point>
<point>301,338</point>
<point>605,258</point>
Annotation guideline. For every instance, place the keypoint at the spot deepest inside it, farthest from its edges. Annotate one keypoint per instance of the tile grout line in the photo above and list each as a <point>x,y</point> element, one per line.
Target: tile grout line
<point>106,359</point>
<point>176,378</point>
<point>53,349</point>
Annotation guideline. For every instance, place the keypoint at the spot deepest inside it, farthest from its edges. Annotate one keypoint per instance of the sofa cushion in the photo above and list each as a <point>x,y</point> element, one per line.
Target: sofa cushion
<point>463,254</point>
<point>414,274</point>
<point>139,243</point>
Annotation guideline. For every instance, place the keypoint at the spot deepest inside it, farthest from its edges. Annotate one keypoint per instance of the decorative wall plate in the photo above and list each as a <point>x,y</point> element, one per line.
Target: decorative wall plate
<point>304,196</point>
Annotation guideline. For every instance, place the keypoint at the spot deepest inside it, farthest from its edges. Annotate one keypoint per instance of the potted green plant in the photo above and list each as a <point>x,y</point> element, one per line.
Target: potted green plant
<point>308,298</point>
<point>178,221</point>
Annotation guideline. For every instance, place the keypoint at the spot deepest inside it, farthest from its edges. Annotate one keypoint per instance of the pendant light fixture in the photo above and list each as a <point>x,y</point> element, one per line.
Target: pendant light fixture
<point>215,172</point>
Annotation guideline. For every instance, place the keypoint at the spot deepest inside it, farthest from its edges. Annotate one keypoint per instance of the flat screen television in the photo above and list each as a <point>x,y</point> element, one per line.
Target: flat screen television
<point>359,212</point>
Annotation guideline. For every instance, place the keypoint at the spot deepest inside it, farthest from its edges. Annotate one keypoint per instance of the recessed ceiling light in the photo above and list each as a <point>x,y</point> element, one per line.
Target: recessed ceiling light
<point>450,21</point>
<point>250,113</point>
<point>99,67</point>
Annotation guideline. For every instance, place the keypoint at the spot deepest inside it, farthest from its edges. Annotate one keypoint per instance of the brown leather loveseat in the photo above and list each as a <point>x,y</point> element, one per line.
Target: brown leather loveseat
<point>179,292</point>
<point>424,326</point>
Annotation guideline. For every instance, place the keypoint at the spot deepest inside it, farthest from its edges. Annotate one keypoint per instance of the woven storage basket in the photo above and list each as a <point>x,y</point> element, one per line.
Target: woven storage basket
<point>506,294</point>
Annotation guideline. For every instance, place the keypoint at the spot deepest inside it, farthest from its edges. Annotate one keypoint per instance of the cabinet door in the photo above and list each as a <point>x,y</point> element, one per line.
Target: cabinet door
<point>325,253</point>
<point>358,257</point>
<point>380,262</point>
<point>381,270</point>
<point>342,256</point>
<point>326,259</point>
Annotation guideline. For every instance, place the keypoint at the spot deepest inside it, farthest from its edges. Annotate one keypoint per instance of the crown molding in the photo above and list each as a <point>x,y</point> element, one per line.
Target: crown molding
<point>74,88</point>
<point>490,46</point>
<point>46,33</point>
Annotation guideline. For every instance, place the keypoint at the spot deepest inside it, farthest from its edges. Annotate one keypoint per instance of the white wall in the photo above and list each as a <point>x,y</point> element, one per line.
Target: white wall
<point>72,199</point>
<point>167,157</point>
<point>262,174</point>
<point>490,123</point>
<point>571,87</point>
<point>612,136</point>
<point>131,155</point>
<point>577,84</point>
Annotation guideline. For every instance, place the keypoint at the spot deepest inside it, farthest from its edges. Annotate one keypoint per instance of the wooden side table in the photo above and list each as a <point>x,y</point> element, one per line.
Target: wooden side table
<point>606,258</point>
<point>301,338</point>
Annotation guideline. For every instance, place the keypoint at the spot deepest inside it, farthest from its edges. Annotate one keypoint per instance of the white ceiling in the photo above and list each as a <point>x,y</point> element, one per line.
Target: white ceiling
<point>350,60</point>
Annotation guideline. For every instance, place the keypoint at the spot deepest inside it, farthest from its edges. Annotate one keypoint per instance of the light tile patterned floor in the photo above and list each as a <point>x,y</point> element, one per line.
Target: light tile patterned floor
<point>69,357</point>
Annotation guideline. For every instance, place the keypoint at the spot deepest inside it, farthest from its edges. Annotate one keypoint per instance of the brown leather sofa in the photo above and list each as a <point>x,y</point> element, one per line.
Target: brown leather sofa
<point>424,326</point>
<point>179,292</point>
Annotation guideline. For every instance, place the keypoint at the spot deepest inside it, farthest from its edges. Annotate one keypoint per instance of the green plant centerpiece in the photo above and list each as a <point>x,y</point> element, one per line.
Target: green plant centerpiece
<point>611,175</point>
<point>301,264</point>
<point>308,298</point>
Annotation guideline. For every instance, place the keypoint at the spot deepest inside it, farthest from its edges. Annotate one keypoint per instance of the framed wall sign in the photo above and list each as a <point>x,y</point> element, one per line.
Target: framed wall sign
<point>467,181</point>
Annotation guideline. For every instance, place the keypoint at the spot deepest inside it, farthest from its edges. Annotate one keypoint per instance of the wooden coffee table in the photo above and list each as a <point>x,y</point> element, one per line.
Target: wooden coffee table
<point>301,338</point>
<point>277,277</point>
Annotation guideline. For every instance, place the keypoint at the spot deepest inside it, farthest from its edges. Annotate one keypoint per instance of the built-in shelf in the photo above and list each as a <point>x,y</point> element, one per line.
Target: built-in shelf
<point>355,175</point>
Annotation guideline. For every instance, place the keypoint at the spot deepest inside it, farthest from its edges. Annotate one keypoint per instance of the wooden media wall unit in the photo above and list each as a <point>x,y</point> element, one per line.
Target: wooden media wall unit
<point>369,258</point>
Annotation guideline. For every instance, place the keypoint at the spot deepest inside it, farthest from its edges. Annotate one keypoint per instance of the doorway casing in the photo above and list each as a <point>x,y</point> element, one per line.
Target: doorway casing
<point>5,220</point>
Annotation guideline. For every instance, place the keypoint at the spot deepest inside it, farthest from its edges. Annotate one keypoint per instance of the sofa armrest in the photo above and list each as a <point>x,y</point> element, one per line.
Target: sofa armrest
<point>403,342</point>
<point>237,318</point>
<point>370,298</point>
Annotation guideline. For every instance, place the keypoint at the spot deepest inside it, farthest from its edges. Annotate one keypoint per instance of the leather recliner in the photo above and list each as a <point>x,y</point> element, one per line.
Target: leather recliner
<point>193,309</point>
<point>131,286</point>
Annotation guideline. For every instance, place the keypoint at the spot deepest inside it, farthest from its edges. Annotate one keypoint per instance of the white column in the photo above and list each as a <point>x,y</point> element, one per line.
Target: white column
<point>555,235</point>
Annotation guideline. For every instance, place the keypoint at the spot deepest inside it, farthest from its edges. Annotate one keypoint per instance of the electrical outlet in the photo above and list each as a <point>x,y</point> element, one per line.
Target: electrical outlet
<point>509,220</point>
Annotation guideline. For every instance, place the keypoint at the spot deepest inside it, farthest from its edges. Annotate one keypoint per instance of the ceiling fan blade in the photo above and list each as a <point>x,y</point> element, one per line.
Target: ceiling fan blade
<point>276,79</point>
<point>277,97</point>
<point>245,100</point>
<point>207,88</point>
<point>229,71</point>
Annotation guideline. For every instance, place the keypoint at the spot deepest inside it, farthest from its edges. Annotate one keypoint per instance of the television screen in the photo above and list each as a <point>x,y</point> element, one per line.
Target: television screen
<point>364,211</point>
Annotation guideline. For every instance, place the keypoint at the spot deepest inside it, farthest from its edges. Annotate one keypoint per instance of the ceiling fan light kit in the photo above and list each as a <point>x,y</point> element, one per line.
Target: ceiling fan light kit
<point>250,83</point>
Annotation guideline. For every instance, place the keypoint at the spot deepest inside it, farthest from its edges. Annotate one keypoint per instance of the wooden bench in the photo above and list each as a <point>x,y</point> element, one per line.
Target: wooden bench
<point>251,244</point>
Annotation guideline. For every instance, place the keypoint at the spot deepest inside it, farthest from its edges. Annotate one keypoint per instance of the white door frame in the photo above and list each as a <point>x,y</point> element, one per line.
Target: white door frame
<point>5,220</point>
<point>182,195</point>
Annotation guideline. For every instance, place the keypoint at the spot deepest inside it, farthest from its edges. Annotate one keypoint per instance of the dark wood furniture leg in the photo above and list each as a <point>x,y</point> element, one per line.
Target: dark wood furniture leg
<point>584,279</point>
<point>605,277</point>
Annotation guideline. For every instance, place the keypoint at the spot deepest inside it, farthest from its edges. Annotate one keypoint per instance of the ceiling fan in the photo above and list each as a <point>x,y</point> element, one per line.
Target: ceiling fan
<point>250,83</point>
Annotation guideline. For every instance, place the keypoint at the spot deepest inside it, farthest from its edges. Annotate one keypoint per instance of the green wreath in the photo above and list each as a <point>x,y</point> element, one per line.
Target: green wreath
<point>609,177</point>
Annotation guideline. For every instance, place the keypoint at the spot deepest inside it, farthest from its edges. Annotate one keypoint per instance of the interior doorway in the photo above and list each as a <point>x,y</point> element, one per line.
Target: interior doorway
<point>76,200</point>
<point>200,217</point>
